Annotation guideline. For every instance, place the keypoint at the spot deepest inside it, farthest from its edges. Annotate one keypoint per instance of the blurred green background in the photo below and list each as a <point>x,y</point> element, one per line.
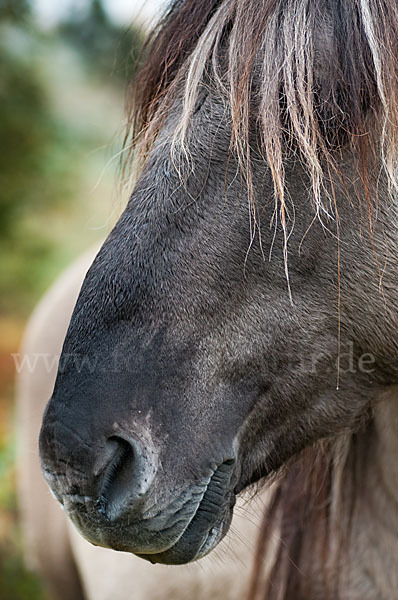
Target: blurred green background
<point>61,126</point>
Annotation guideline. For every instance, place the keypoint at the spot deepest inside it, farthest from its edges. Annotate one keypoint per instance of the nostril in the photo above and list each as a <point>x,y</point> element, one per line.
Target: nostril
<point>122,458</point>
<point>117,481</point>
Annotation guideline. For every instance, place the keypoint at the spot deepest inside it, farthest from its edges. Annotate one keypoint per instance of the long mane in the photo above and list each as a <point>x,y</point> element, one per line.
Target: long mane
<point>328,80</point>
<point>302,547</point>
<point>319,77</point>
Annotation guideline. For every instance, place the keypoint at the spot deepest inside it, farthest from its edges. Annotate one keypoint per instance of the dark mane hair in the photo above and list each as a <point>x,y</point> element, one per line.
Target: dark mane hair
<point>164,56</point>
<point>329,76</point>
<point>306,527</point>
<point>328,82</point>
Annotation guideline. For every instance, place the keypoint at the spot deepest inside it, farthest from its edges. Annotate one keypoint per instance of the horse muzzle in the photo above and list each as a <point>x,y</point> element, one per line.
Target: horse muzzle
<point>116,497</point>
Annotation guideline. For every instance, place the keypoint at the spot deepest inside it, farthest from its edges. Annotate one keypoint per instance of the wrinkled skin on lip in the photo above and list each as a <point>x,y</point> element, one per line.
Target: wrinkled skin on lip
<point>187,348</point>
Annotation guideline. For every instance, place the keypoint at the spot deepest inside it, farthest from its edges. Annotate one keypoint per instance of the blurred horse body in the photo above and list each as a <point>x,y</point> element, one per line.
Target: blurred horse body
<point>73,569</point>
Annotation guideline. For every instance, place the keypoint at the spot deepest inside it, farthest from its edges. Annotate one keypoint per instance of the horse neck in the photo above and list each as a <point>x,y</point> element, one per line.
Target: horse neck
<point>373,569</point>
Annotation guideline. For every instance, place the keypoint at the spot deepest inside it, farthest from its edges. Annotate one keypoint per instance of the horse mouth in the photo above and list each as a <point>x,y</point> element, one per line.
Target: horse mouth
<point>208,525</point>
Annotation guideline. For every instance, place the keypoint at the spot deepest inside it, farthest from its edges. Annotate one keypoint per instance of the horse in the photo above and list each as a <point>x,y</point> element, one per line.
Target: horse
<point>239,324</point>
<point>70,567</point>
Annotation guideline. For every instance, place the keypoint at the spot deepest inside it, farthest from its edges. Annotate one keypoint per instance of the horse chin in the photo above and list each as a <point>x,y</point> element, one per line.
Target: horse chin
<point>203,533</point>
<point>208,525</point>
<point>190,547</point>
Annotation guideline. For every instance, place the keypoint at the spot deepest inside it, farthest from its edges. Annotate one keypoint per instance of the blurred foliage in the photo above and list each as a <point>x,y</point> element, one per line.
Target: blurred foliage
<point>40,165</point>
<point>16,583</point>
<point>108,48</point>
<point>14,10</point>
<point>36,169</point>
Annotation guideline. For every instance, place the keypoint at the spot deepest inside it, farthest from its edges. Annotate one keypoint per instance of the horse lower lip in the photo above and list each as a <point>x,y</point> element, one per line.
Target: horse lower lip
<point>207,526</point>
<point>210,541</point>
<point>184,551</point>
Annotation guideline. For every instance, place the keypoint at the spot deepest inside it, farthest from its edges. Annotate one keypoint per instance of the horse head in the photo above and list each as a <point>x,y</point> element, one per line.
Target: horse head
<point>244,306</point>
